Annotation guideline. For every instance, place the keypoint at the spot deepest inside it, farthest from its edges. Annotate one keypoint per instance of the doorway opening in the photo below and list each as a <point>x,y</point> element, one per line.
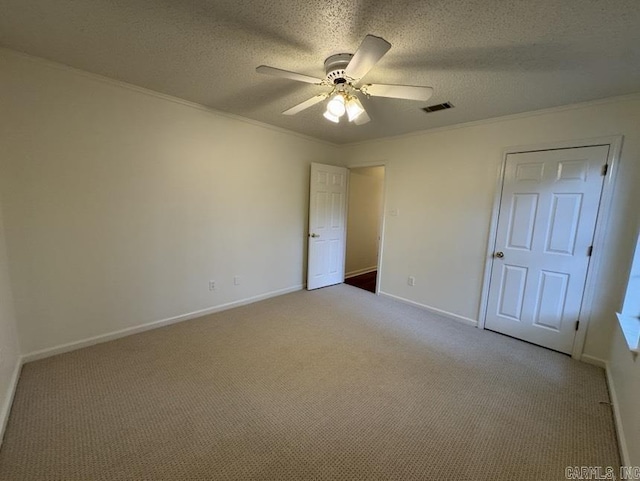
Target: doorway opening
<point>364,227</point>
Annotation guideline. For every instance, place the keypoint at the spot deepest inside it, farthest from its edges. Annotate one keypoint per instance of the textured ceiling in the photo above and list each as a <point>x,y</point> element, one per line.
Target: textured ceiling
<point>488,57</point>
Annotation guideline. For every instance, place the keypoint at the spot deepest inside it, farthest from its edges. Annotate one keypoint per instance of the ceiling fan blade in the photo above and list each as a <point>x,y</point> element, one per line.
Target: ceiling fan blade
<point>408,92</point>
<point>370,51</point>
<point>277,72</point>
<point>305,105</point>
<point>361,119</point>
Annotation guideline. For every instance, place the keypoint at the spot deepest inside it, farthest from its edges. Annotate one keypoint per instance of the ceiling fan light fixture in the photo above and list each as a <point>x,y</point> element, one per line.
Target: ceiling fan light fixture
<point>329,116</point>
<point>354,108</point>
<point>344,72</point>
<point>336,106</point>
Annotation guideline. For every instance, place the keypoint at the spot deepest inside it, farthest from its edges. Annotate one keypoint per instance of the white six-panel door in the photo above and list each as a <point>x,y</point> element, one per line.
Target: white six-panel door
<point>546,223</point>
<point>327,225</point>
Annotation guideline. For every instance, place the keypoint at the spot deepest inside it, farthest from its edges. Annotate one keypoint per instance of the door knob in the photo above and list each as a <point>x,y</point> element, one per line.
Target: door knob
<point>499,254</point>
<point>314,235</point>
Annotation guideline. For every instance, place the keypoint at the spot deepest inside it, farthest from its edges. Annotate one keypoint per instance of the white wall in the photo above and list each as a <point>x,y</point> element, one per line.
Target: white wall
<point>120,205</point>
<point>443,182</point>
<point>625,374</point>
<point>9,346</point>
<point>366,193</point>
<point>623,365</point>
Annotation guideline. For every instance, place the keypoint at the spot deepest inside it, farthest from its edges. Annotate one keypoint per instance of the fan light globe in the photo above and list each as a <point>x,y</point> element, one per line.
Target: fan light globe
<point>354,108</point>
<point>336,106</point>
<point>329,116</point>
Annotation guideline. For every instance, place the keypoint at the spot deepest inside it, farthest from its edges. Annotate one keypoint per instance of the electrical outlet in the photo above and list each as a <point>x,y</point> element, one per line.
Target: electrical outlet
<point>411,281</point>
<point>236,280</point>
<point>212,285</point>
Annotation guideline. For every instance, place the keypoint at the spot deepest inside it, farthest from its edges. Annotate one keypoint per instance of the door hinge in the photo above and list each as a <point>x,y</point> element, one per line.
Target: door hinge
<point>589,251</point>
<point>605,169</point>
<point>577,325</point>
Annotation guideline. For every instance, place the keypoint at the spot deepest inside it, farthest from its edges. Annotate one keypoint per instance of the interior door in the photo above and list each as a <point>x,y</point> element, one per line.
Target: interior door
<point>327,225</point>
<point>546,224</point>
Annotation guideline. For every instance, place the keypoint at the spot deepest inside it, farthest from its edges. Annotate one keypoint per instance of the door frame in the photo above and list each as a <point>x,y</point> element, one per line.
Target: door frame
<point>604,213</point>
<point>383,219</point>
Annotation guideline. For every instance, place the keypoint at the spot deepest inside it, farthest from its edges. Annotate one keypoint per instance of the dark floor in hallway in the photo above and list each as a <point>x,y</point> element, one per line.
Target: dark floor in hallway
<point>364,281</point>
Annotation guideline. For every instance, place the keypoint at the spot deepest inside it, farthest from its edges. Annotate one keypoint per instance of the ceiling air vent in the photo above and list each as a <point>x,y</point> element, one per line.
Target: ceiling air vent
<point>435,108</point>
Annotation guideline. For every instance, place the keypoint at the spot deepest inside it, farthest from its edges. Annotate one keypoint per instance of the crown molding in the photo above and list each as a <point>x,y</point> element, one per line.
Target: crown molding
<point>158,95</point>
<point>219,113</point>
<point>504,118</point>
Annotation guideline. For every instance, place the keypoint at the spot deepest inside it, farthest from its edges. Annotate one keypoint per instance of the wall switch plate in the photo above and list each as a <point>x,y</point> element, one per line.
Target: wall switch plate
<point>394,212</point>
<point>236,280</point>
<point>212,285</point>
<point>411,281</point>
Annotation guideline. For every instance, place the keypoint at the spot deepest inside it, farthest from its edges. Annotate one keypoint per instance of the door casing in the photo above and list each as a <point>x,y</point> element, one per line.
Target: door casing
<point>382,215</point>
<point>615,143</point>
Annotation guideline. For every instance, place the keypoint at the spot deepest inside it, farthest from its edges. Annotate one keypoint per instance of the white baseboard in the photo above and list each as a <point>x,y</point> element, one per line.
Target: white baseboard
<point>72,346</point>
<point>8,400</point>
<point>450,315</point>
<point>622,442</point>
<point>596,361</point>
<point>359,272</point>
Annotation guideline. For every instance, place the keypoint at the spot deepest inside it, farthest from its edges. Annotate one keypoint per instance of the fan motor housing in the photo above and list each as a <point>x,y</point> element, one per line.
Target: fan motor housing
<point>334,67</point>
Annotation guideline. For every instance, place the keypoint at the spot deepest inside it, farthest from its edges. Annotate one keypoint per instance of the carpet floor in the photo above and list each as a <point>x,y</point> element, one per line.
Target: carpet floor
<point>330,384</point>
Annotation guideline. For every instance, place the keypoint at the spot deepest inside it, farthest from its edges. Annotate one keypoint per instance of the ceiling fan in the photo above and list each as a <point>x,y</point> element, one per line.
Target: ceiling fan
<point>344,77</point>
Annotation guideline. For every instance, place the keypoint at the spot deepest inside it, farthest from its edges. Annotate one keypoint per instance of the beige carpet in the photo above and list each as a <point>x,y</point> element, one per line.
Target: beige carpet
<point>330,384</point>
